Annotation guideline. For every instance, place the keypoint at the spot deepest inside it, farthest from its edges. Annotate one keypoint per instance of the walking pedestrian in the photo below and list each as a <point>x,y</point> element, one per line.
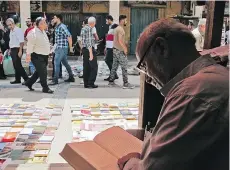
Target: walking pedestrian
<point>16,47</point>
<point>38,49</point>
<point>109,44</point>
<point>63,40</point>
<point>53,59</point>
<point>120,54</point>
<point>30,26</point>
<point>90,66</point>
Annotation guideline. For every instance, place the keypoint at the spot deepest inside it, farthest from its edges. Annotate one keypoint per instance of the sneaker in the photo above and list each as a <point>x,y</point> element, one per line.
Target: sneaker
<point>71,79</point>
<point>128,86</point>
<point>82,82</point>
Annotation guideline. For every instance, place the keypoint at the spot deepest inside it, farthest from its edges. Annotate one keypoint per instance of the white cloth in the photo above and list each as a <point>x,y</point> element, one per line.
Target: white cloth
<point>227,36</point>
<point>94,31</point>
<point>199,39</point>
<point>16,37</point>
<point>38,42</point>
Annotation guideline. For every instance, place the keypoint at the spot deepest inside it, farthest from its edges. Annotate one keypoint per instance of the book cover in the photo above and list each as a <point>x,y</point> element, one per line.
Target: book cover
<point>39,160</point>
<point>49,132</point>
<point>22,138</point>
<point>43,146</point>
<point>41,153</point>
<point>46,139</point>
<point>39,130</point>
<point>18,130</point>
<point>33,138</point>
<point>26,131</point>
<point>9,137</point>
<point>30,147</point>
<point>26,155</point>
<point>16,154</point>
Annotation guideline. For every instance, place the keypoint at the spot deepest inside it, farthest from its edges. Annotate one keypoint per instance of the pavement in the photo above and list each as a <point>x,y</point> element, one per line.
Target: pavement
<point>67,94</point>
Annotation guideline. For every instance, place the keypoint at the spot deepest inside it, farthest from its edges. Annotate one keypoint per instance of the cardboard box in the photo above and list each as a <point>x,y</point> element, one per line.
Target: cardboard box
<point>103,152</point>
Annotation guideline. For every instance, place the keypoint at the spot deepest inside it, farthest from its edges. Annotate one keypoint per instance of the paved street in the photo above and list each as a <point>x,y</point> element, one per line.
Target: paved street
<point>65,95</point>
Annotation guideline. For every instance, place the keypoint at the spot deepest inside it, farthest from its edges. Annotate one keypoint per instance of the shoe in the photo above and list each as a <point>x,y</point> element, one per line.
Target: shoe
<point>71,79</point>
<point>60,77</point>
<point>29,86</point>
<point>92,86</point>
<point>116,77</point>
<point>53,83</point>
<point>128,86</point>
<point>47,91</point>
<point>107,79</point>
<point>15,82</point>
<point>39,81</point>
<point>86,86</point>
<point>82,82</point>
<point>3,78</point>
<point>81,76</point>
<point>51,78</point>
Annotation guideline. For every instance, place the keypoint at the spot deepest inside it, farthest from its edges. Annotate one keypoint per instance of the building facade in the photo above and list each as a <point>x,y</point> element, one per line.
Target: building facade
<point>139,14</point>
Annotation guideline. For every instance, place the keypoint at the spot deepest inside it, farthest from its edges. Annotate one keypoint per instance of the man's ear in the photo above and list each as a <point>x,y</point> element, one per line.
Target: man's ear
<point>160,47</point>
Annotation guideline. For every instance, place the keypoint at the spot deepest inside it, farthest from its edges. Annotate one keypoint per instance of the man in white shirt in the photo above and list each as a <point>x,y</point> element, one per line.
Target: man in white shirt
<point>199,34</point>
<point>38,50</point>
<point>16,46</point>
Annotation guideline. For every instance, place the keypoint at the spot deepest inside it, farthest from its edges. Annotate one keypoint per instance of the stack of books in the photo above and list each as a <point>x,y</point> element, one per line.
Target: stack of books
<point>26,132</point>
<point>93,118</point>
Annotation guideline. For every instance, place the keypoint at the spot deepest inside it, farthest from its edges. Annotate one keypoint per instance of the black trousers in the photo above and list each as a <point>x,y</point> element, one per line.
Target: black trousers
<point>90,68</point>
<point>109,58</point>
<point>53,73</point>
<point>40,63</point>
<point>2,74</point>
<point>19,70</point>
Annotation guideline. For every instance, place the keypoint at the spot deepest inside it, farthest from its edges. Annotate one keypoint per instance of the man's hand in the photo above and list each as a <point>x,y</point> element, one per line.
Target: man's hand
<point>126,51</point>
<point>28,58</point>
<point>20,54</point>
<point>71,50</point>
<point>122,161</point>
<point>90,57</point>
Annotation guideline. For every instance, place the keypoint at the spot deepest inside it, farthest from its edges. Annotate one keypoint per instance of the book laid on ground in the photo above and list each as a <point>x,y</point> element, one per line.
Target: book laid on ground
<point>103,152</point>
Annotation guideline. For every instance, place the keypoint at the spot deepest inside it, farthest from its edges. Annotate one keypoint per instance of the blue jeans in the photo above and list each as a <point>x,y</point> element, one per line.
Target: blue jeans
<point>61,57</point>
<point>32,68</point>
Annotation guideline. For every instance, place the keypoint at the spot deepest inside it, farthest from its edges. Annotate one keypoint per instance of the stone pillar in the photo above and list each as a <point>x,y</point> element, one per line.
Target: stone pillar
<point>24,12</point>
<point>114,9</point>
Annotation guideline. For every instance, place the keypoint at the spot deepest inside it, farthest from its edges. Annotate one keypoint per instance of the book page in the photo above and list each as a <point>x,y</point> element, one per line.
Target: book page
<point>88,155</point>
<point>118,142</point>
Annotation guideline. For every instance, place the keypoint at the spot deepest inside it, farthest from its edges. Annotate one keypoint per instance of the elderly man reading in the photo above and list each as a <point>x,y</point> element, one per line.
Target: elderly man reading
<point>192,131</point>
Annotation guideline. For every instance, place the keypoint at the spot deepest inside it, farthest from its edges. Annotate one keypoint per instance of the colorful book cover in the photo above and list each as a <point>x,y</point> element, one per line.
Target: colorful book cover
<point>18,125</point>
<point>49,132</point>
<point>30,147</point>
<point>33,138</point>
<point>5,152</point>
<point>85,111</point>
<point>39,160</point>
<point>22,138</point>
<point>9,137</point>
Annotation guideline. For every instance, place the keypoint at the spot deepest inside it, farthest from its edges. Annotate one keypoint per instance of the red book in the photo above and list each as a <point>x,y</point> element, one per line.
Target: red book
<point>10,137</point>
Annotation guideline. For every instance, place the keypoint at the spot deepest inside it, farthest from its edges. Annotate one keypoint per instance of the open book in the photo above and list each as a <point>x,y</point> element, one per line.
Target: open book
<point>103,152</point>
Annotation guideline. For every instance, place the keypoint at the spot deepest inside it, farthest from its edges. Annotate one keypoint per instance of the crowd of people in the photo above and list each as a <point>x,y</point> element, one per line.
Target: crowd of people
<point>57,42</point>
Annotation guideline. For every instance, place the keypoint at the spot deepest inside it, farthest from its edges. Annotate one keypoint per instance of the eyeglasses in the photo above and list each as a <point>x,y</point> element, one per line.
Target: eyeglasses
<point>142,67</point>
